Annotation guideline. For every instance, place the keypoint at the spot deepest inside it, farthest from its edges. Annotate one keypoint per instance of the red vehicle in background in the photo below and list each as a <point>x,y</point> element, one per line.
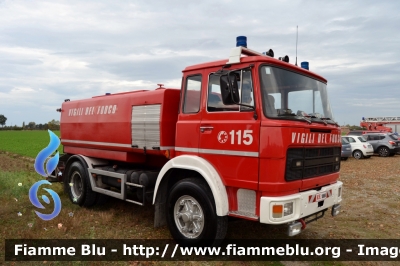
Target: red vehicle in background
<point>361,132</point>
<point>378,124</point>
<point>251,137</point>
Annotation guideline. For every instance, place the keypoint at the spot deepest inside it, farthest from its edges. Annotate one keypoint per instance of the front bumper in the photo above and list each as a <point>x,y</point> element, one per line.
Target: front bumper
<point>304,204</point>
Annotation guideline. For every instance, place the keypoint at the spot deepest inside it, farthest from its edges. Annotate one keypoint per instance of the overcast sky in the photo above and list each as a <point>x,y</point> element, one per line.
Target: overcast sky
<point>54,50</point>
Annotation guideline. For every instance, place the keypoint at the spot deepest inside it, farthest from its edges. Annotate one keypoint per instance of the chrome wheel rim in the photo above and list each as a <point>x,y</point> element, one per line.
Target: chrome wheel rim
<point>77,185</point>
<point>357,155</point>
<point>189,217</point>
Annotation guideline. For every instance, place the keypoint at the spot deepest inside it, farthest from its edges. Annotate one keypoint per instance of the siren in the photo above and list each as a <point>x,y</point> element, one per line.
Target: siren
<point>269,53</point>
<point>284,59</point>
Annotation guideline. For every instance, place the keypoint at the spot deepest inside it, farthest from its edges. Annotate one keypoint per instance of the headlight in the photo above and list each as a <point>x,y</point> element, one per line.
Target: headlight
<point>288,209</point>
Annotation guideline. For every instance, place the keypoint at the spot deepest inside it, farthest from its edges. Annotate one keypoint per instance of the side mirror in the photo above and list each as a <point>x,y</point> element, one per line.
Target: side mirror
<point>229,89</point>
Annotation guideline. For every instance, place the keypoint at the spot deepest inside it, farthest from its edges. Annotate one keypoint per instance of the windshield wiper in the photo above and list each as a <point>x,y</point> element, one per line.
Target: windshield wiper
<point>313,116</point>
<point>304,118</point>
<point>328,118</point>
<point>286,114</point>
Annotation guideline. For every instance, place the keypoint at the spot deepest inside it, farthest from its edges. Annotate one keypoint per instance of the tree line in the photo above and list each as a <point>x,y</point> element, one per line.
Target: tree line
<point>52,125</point>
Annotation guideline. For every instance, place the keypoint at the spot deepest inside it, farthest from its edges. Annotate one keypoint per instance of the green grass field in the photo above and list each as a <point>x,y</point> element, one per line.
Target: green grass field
<point>26,143</point>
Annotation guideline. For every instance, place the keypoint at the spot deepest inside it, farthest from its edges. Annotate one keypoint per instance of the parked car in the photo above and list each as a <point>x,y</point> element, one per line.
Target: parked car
<point>361,132</point>
<point>384,144</point>
<point>360,148</point>
<point>346,149</point>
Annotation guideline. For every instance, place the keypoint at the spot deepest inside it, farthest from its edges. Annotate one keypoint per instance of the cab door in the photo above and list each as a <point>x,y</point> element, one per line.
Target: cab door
<point>229,135</point>
<point>188,125</point>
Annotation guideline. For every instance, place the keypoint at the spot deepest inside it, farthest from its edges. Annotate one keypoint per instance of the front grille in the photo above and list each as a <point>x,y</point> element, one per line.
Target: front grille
<point>311,162</point>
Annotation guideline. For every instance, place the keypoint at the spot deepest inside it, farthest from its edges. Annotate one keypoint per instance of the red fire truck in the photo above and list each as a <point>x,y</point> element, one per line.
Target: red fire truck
<point>378,123</point>
<point>251,137</point>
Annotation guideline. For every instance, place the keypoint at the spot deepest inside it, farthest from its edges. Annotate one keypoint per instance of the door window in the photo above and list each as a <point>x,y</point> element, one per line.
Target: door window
<point>192,95</point>
<point>214,101</point>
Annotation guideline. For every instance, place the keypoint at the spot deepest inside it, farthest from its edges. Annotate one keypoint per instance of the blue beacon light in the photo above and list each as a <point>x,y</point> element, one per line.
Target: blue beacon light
<point>304,65</point>
<point>241,41</point>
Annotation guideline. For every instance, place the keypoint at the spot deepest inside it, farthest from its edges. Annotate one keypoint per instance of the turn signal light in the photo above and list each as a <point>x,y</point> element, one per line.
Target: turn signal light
<point>282,209</point>
<point>277,211</point>
<point>167,154</point>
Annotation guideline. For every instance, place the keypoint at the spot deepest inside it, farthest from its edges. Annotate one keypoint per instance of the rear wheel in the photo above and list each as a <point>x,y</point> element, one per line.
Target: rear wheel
<point>191,214</point>
<point>358,155</point>
<point>78,186</point>
<point>383,151</point>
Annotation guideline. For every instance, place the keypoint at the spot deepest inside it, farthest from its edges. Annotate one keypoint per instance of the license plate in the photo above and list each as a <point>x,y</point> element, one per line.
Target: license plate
<point>320,196</point>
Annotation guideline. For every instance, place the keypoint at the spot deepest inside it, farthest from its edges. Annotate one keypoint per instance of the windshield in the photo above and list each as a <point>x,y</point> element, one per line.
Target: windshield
<point>345,141</point>
<point>288,95</point>
<point>393,136</point>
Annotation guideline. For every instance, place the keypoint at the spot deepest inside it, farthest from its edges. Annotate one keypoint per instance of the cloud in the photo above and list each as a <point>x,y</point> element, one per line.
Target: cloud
<point>51,51</point>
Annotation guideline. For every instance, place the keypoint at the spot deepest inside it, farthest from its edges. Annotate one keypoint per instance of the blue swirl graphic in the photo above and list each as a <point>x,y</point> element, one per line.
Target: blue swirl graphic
<point>35,201</point>
<point>45,153</point>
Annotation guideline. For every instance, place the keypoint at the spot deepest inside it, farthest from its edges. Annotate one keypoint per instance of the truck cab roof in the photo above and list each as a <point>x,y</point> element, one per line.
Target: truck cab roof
<point>255,59</point>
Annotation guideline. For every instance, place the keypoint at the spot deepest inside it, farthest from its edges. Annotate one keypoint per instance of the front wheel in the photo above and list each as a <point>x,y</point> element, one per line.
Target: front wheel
<point>358,155</point>
<point>191,214</point>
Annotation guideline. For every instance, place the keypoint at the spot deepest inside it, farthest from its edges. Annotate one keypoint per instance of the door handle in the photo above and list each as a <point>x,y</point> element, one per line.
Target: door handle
<point>204,128</point>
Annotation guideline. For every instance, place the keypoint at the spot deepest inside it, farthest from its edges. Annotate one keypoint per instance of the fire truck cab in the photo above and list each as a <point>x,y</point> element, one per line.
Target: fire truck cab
<point>251,137</point>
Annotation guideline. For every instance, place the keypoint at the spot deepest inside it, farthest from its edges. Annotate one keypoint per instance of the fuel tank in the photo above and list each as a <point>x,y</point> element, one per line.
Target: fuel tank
<point>127,127</point>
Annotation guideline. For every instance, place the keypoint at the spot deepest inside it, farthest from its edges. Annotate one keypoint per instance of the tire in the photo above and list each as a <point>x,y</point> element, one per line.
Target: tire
<point>358,154</point>
<point>383,151</point>
<point>191,214</point>
<point>344,158</point>
<point>78,186</point>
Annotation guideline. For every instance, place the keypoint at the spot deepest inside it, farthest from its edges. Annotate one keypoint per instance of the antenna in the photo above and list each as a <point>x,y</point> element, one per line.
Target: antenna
<point>297,37</point>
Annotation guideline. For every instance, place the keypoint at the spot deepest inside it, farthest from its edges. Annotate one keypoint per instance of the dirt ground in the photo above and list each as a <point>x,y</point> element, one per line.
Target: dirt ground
<point>370,206</point>
<point>13,162</point>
